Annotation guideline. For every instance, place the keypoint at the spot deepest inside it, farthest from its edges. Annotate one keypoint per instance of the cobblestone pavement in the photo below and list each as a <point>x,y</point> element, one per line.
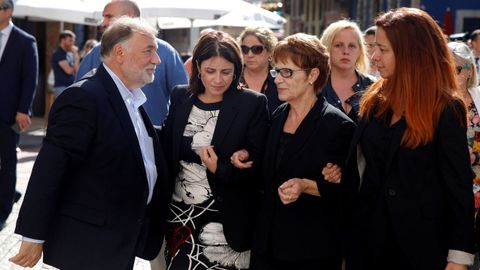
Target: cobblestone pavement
<point>30,143</point>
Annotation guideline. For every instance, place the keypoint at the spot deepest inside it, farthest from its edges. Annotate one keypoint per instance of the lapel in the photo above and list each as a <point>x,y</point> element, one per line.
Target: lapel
<point>151,132</point>
<point>276,130</point>
<point>121,111</point>
<point>355,153</point>
<point>302,135</point>
<point>10,46</point>
<point>228,112</point>
<point>180,121</point>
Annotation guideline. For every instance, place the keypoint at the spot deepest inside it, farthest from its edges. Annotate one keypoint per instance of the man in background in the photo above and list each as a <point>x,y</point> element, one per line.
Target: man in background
<point>18,79</point>
<point>65,62</point>
<point>168,74</point>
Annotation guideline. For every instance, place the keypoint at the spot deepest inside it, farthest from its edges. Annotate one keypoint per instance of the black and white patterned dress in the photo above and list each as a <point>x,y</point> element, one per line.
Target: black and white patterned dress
<point>196,238</point>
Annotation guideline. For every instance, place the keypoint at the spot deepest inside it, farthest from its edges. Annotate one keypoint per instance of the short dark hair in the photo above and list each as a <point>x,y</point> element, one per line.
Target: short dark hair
<point>475,34</point>
<point>65,34</point>
<point>211,44</point>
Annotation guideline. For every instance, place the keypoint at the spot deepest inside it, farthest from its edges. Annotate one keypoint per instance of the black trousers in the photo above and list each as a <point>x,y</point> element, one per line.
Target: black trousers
<point>269,262</point>
<point>8,169</point>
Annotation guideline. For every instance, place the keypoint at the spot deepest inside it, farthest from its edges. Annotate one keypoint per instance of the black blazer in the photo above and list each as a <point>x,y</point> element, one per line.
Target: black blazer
<point>242,124</point>
<point>87,195</point>
<point>18,75</point>
<point>427,193</point>
<point>309,228</point>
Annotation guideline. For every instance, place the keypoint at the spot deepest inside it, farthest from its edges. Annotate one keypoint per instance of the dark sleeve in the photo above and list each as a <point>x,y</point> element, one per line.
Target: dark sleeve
<point>71,127</point>
<point>338,145</point>
<point>29,75</point>
<point>255,135</point>
<point>454,159</point>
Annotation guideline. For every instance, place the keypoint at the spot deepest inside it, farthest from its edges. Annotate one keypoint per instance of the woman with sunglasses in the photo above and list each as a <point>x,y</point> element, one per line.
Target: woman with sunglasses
<point>299,223</point>
<point>213,204</point>
<point>257,45</point>
<point>350,66</point>
<point>411,192</point>
<point>467,84</point>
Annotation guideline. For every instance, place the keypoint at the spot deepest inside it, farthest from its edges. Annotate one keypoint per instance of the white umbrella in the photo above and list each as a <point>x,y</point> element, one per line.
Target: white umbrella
<point>191,9</point>
<point>90,11</point>
<point>243,15</point>
<point>74,11</point>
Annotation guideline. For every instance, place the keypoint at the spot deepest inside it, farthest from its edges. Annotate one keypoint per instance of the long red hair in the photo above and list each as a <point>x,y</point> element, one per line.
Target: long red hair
<point>423,82</point>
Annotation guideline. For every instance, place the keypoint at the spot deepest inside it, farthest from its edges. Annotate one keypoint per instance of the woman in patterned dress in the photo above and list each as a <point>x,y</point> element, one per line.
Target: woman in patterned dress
<point>212,207</point>
<point>467,81</point>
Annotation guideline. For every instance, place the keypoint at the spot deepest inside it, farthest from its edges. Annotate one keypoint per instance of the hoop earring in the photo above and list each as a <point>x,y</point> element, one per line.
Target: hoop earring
<point>199,75</point>
<point>234,76</point>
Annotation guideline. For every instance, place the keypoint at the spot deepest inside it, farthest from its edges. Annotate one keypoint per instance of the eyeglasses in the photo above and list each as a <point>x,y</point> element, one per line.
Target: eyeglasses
<point>4,8</point>
<point>256,49</point>
<point>284,72</point>
<point>460,68</point>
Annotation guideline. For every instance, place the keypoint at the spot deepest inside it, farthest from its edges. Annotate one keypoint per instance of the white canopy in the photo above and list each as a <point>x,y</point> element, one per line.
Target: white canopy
<point>243,15</point>
<point>90,11</point>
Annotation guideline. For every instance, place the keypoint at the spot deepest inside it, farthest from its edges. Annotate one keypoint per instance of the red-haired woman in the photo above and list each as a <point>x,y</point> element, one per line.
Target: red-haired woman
<point>413,203</point>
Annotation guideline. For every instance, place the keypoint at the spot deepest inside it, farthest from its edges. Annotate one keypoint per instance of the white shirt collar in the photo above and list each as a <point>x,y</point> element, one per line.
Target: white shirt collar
<point>135,97</point>
<point>7,30</point>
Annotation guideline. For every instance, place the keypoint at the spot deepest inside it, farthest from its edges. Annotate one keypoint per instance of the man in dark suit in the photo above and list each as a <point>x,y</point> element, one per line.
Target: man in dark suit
<point>99,180</point>
<point>18,78</point>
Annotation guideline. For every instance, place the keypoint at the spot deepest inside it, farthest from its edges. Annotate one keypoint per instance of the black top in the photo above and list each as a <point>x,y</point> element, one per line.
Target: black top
<point>269,89</point>
<point>61,77</point>
<point>186,152</point>
<point>284,140</point>
<point>376,145</point>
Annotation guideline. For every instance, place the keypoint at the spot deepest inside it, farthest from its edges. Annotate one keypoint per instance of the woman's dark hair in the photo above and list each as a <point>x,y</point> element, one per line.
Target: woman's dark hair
<point>211,44</point>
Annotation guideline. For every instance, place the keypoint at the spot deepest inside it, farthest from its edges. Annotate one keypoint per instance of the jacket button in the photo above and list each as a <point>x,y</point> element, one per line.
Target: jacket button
<point>392,192</point>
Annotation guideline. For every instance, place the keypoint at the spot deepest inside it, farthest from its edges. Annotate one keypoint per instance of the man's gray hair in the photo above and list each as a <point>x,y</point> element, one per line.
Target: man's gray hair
<point>121,31</point>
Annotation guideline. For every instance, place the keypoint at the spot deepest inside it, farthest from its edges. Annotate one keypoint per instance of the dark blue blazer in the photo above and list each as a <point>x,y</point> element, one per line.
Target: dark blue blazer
<point>87,195</point>
<point>18,75</point>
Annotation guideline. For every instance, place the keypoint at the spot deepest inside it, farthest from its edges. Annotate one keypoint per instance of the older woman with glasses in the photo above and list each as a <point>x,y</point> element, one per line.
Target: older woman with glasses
<point>467,81</point>
<point>257,46</point>
<point>299,223</point>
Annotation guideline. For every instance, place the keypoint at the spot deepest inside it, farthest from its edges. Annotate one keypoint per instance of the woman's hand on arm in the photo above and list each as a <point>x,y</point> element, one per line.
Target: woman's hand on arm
<point>332,173</point>
<point>209,158</point>
<point>239,159</point>
<point>291,190</point>
<point>455,266</point>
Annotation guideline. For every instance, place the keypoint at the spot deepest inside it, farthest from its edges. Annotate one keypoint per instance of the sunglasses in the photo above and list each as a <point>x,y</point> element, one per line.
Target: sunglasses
<point>284,72</point>
<point>460,68</point>
<point>256,49</point>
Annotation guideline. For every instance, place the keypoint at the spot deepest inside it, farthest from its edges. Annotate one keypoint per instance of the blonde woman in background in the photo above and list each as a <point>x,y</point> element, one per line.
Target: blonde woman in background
<point>257,45</point>
<point>349,66</point>
<point>467,81</point>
